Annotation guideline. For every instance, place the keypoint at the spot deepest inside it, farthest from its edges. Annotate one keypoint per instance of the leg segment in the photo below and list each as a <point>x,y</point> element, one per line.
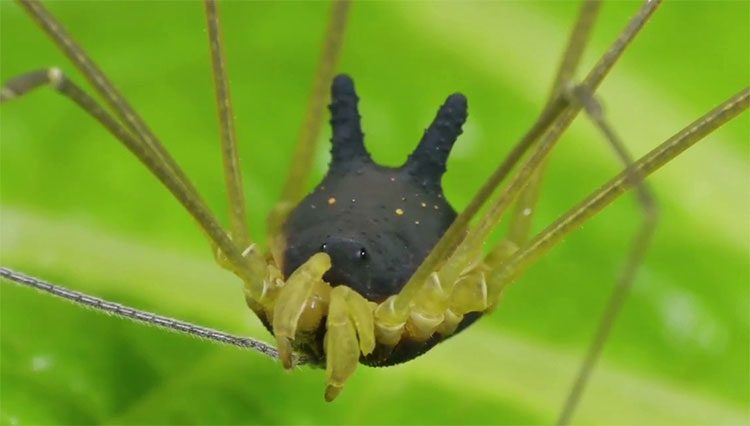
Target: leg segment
<point>342,350</point>
<point>21,85</point>
<point>522,215</point>
<point>297,309</point>
<point>251,268</point>
<point>478,235</point>
<point>230,155</point>
<point>635,256</point>
<point>505,273</point>
<point>103,86</point>
<point>137,315</point>
<point>349,332</point>
<point>303,294</point>
<point>523,212</point>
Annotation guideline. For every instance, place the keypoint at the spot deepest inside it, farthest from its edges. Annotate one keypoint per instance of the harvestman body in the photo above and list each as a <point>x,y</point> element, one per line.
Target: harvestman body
<point>342,285</point>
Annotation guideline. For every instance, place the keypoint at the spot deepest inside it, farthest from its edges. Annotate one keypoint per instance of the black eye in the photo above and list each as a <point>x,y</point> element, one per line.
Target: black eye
<point>362,254</point>
<point>323,247</point>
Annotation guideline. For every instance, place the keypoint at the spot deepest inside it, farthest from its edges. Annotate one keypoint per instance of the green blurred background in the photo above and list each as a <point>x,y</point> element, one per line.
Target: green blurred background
<point>78,210</point>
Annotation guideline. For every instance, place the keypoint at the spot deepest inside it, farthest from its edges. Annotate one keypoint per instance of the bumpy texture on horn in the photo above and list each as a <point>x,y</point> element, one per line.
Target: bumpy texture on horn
<point>347,143</point>
<point>427,162</point>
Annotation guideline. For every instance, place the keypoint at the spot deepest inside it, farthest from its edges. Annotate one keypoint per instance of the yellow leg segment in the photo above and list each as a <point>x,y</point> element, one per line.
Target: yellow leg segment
<point>428,309</point>
<point>495,261</point>
<point>438,307</point>
<point>258,269</point>
<point>300,295</point>
<point>349,316</point>
<point>431,309</point>
<point>389,322</point>
<point>469,295</point>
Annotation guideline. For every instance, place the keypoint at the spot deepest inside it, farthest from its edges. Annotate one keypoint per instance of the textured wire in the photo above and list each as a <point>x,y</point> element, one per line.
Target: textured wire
<point>138,315</point>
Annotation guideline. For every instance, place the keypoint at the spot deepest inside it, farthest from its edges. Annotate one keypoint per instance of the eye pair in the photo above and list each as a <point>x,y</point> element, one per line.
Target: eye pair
<point>362,252</point>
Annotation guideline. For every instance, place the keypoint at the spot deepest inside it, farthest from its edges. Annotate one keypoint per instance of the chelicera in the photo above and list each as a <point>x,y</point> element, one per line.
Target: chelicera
<point>374,265</point>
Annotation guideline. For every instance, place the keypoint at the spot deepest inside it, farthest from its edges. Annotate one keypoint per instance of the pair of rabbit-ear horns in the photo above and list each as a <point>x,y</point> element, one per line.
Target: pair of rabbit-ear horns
<point>427,162</point>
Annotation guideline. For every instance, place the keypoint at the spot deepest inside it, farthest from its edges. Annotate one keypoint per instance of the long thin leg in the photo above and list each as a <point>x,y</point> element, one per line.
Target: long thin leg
<point>592,81</point>
<point>249,268</point>
<point>508,271</point>
<point>302,159</point>
<point>523,212</point>
<point>638,249</point>
<point>577,216</point>
<point>103,86</point>
<point>138,315</point>
<point>230,154</point>
<point>470,247</point>
<point>21,85</point>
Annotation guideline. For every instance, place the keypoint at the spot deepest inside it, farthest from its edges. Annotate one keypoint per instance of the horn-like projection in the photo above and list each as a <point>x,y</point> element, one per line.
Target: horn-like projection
<point>347,144</point>
<point>427,162</point>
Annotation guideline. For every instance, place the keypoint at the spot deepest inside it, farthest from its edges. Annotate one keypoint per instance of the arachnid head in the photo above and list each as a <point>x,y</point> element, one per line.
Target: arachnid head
<point>377,223</point>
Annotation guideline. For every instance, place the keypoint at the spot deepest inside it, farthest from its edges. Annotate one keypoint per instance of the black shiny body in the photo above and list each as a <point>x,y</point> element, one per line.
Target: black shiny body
<point>377,223</point>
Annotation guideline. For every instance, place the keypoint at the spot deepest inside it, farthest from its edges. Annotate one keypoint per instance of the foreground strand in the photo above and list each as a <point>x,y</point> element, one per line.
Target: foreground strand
<point>138,315</point>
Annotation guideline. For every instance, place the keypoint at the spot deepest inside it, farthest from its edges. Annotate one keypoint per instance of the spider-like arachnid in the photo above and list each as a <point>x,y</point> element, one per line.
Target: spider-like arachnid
<point>567,94</point>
